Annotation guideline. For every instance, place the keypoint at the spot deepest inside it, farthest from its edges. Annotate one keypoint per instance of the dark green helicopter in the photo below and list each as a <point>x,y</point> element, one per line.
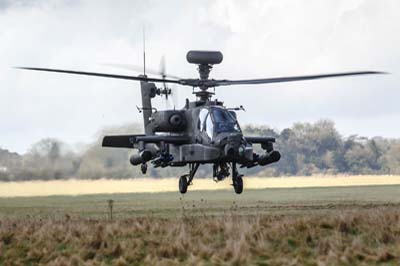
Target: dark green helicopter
<point>203,131</point>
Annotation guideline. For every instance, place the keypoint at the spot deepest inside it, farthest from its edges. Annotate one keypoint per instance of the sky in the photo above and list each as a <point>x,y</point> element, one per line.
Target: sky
<point>258,39</point>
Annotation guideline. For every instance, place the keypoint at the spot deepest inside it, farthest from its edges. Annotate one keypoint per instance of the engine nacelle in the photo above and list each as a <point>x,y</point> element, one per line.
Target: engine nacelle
<point>169,121</point>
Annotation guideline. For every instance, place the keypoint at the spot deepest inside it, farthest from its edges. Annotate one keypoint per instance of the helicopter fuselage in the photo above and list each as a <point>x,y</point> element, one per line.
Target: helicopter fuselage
<point>199,133</point>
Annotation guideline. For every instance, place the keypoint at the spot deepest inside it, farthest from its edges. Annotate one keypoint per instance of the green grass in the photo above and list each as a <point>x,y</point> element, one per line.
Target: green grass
<point>277,200</point>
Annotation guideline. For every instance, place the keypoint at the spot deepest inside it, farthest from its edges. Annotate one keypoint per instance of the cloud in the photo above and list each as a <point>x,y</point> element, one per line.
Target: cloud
<point>258,39</point>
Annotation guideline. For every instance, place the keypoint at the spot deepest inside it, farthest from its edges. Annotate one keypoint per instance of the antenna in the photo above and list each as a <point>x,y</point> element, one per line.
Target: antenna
<point>144,52</point>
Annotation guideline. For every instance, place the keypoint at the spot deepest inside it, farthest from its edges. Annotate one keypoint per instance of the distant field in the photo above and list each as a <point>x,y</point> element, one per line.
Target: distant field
<point>79,187</point>
<point>343,225</point>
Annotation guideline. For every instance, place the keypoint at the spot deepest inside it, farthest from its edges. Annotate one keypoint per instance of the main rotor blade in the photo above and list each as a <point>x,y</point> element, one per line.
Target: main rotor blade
<point>101,75</point>
<point>140,69</point>
<point>290,79</point>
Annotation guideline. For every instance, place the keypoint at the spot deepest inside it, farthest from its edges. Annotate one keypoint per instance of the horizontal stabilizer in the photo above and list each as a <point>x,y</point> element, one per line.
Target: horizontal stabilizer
<point>120,141</point>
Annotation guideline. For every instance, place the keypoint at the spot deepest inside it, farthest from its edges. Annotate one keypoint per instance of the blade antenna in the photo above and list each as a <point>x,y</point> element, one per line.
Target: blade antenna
<point>144,51</point>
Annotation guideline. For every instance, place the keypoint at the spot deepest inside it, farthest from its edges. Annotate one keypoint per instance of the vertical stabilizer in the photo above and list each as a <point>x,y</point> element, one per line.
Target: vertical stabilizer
<point>148,91</point>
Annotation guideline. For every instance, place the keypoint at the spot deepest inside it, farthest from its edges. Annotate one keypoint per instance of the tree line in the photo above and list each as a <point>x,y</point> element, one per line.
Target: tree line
<point>306,148</point>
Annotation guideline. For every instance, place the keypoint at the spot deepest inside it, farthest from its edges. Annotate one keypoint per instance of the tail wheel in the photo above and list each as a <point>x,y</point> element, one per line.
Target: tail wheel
<point>238,184</point>
<point>183,184</point>
<point>143,168</point>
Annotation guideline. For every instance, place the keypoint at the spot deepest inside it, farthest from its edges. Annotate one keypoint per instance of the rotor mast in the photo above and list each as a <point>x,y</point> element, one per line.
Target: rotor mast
<point>204,95</point>
<point>205,61</point>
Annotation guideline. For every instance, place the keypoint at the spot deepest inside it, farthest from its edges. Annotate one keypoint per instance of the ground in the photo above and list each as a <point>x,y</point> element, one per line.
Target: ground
<point>277,226</point>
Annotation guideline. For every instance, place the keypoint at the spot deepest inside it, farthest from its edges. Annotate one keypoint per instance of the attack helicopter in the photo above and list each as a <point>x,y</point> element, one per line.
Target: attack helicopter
<point>204,131</point>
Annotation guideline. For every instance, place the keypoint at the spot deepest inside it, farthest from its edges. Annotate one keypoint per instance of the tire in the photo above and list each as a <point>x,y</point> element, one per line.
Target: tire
<point>238,185</point>
<point>183,184</point>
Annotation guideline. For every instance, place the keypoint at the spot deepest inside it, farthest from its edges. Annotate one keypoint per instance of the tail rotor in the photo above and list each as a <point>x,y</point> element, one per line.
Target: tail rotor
<point>169,92</point>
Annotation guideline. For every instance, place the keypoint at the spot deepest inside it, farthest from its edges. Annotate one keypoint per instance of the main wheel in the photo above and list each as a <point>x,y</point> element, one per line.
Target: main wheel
<point>183,184</point>
<point>238,184</point>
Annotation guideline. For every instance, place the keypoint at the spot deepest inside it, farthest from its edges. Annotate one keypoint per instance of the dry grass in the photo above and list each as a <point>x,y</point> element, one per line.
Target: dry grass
<point>140,185</point>
<point>357,237</point>
<point>281,226</point>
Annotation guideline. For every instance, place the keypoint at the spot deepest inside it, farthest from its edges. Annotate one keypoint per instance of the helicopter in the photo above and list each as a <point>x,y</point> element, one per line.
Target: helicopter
<point>204,131</point>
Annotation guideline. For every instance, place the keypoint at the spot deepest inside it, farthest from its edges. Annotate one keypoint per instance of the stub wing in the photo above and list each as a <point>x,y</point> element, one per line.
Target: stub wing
<point>129,141</point>
<point>260,139</point>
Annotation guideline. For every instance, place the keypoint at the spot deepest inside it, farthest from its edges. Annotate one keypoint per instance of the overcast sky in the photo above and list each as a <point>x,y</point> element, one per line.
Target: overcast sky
<point>258,39</point>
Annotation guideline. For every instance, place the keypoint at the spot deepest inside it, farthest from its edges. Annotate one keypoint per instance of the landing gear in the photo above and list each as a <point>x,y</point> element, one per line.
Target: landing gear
<point>183,184</point>
<point>237,180</point>
<point>186,180</point>
<point>238,184</point>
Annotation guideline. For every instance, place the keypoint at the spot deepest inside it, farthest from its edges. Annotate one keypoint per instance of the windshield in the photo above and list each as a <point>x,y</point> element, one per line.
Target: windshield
<point>202,118</point>
<point>224,121</point>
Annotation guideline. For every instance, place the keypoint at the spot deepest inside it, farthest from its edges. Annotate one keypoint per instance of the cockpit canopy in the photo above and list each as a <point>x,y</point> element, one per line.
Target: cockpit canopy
<point>215,120</point>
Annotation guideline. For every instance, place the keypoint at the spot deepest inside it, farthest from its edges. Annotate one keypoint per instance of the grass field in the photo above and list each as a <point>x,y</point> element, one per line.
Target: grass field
<point>137,185</point>
<point>356,225</point>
